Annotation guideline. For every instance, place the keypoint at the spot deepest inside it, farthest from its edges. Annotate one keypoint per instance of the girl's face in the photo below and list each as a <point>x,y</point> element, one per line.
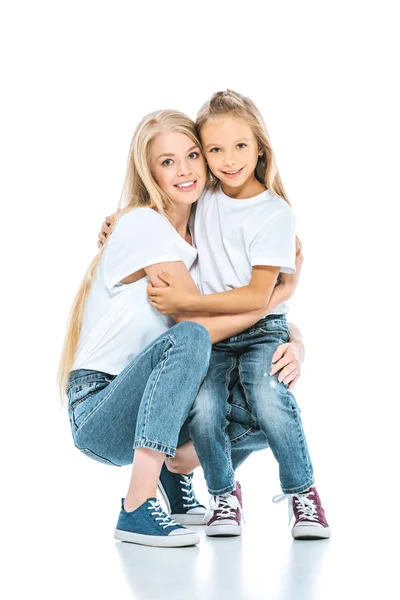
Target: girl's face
<point>231,150</point>
<point>178,167</point>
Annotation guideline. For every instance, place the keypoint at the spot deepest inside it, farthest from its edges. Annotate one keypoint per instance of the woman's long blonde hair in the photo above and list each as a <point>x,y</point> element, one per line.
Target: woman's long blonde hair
<point>139,189</point>
<point>239,107</point>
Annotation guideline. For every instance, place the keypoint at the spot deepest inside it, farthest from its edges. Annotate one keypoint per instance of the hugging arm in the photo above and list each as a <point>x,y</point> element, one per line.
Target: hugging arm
<point>287,358</point>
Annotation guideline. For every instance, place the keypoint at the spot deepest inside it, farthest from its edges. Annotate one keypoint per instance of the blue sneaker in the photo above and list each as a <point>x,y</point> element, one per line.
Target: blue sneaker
<point>178,494</point>
<point>149,525</point>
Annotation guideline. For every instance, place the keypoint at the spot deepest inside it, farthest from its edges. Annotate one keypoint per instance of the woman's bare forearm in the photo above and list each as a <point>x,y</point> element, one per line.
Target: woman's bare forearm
<point>221,327</point>
<point>295,333</point>
<point>297,338</point>
<point>281,293</point>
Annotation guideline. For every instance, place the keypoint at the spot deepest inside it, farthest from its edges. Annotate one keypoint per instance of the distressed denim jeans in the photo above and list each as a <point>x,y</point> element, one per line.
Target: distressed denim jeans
<point>244,361</point>
<point>145,405</point>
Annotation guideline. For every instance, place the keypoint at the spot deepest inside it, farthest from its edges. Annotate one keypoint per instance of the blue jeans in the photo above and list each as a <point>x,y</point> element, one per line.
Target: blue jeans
<point>145,405</point>
<point>108,413</point>
<point>244,361</point>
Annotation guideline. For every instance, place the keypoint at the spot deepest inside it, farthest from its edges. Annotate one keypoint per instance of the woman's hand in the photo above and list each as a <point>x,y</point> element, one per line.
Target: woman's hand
<point>287,359</point>
<point>291,281</point>
<point>106,230</point>
<point>169,300</point>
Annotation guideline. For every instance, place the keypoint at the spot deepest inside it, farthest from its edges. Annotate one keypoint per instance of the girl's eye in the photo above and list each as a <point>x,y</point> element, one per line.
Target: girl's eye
<point>242,145</point>
<point>215,149</point>
<point>194,155</point>
<point>167,162</point>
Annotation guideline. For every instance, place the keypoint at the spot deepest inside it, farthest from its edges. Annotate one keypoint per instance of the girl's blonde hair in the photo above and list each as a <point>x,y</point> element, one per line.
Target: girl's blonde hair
<point>139,189</point>
<point>239,107</point>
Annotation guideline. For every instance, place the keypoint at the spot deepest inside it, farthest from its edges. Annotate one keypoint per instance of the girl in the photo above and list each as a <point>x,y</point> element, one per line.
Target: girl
<point>245,235</point>
<point>131,375</point>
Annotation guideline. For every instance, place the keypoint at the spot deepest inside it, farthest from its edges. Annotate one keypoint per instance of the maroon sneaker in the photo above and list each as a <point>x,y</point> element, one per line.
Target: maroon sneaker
<point>309,517</point>
<point>226,516</point>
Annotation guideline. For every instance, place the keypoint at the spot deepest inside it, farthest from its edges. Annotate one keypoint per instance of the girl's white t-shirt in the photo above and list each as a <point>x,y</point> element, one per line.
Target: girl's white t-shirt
<point>232,236</point>
<point>118,320</point>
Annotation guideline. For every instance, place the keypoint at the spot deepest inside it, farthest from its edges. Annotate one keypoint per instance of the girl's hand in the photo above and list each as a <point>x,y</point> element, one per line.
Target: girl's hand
<point>287,359</point>
<point>168,300</point>
<point>106,230</point>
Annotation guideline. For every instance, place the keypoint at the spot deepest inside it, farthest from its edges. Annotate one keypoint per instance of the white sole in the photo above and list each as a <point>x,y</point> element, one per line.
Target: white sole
<point>159,541</point>
<point>189,519</point>
<point>222,530</point>
<point>311,533</point>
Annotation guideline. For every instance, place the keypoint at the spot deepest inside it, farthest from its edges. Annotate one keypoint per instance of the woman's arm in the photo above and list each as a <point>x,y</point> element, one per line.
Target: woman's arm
<point>106,230</point>
<point>288,358</point>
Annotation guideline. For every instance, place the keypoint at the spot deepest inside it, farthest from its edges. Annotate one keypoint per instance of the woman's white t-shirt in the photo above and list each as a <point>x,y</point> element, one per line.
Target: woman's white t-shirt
<point>119,321</point>
<point>232,236</point>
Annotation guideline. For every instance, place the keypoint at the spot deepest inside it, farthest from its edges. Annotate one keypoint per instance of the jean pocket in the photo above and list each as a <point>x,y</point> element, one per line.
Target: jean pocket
<point>79,395</point>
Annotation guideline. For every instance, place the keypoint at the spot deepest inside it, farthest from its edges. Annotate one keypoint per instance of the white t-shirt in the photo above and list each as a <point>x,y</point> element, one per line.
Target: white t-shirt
<point>119,321</point>
<point>232,236</point>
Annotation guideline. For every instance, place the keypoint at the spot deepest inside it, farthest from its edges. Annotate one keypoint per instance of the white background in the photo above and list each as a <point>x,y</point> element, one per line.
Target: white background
<point>76,78</point>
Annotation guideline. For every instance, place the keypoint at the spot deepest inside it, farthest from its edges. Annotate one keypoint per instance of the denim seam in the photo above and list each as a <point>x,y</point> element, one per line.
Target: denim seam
<point>237,406</point>
<point>245,391</point>
<point>302,440</point>
<point>299,489</point>
<point>231,473</point>
<point>103,458</point>
<point>164,448</point>
<point>242,436</point>
<point>93,378</point>
<point>226,490</point>
<point>119,381</point>
<point>153,388</point>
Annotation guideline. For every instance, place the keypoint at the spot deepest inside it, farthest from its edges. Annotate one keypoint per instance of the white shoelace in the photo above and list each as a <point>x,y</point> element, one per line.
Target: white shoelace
<point>165,520</point>
<point>305,505</point>
<point>188,492</point>
<point>226,505</point>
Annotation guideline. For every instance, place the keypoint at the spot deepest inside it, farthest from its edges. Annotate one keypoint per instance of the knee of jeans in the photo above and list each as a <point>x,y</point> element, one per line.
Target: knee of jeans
<point>194,333</point>
<point>204,418</point>
<point>275,403</point>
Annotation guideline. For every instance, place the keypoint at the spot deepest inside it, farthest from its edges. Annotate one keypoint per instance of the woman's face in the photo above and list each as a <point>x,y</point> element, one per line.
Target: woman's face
<point>178,167</point>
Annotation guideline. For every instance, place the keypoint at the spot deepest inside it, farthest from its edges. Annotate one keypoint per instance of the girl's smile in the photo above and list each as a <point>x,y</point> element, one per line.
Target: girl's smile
<point>233,174</point>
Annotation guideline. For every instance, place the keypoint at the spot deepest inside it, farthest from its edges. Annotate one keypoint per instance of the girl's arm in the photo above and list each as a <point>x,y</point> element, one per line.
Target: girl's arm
<point>223,326</point>
<point>218,326</point>
<point>252,297</point>
<point>165,299</point>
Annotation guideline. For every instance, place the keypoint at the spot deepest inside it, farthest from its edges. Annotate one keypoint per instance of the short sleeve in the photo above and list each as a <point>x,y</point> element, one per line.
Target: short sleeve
<point>275,243</point>
<point>140,238</point>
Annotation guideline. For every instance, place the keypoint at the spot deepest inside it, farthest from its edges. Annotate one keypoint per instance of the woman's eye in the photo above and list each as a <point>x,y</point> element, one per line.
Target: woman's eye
<point>215,149</point>
<point>194,155</point>
<point>241,145</point>
<point>167,162</point>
